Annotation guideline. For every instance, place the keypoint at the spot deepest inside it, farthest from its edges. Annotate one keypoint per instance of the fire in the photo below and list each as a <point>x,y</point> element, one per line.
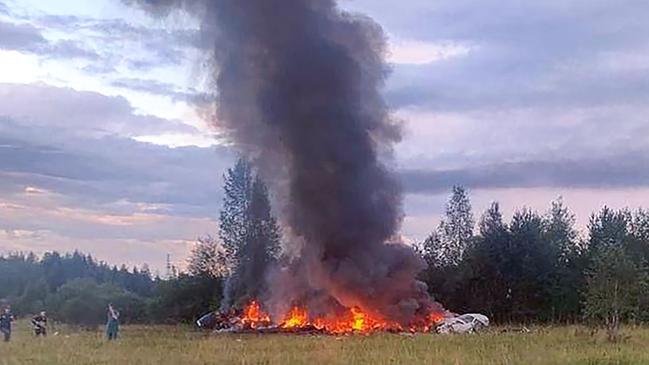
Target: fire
<point>254,317</point>
<point>296,318</point>
<point>353,320</point>
<point>359,319</point>
<point>436,317</point>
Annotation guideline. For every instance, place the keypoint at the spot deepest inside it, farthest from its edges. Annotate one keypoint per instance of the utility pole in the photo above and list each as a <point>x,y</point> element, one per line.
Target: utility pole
<point>168,266</point>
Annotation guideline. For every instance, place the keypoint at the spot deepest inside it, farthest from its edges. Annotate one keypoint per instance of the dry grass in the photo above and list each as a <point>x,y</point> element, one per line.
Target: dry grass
<point>162,345</point>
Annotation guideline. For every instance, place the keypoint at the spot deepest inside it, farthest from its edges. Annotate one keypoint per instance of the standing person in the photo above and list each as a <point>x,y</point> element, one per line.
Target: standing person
<point>112,326</point>
<point>39,323</point>
<point>5,323</point>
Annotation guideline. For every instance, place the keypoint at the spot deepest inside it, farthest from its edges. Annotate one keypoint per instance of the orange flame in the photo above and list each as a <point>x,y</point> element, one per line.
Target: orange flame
<point>355,320</point>
<point>436,317</point>
<point>254,317</point>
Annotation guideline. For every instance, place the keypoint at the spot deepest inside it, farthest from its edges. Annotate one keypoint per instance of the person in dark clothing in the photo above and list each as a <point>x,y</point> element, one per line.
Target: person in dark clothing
<point>39,323</point>
<point>5,323</point>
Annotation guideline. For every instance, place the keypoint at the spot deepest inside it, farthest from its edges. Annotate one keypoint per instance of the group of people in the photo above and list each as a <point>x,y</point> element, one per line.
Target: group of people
<point>39,323</point>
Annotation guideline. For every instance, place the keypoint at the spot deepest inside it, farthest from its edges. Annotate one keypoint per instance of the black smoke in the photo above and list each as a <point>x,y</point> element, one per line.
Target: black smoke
<point>298,91</point>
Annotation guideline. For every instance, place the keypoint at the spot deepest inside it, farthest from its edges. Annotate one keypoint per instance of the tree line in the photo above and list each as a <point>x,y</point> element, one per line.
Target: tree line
<point>538,267</point>
<point>535,268</point>
<point>75,288</point>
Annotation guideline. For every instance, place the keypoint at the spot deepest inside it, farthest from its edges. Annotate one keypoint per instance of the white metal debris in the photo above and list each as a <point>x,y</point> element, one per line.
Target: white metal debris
<point>465,323</point>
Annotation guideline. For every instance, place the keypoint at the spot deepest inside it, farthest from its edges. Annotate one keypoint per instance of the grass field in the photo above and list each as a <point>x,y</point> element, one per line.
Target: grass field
<point>162,345</point>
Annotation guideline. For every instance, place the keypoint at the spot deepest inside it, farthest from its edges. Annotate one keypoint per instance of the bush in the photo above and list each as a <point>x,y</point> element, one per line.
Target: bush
<point>185,298</point>
<point>83,302</point>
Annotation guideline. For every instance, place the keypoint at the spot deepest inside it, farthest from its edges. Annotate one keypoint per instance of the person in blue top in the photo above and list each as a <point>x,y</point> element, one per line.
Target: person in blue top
<point>112,326</point>
<point>5,323</point>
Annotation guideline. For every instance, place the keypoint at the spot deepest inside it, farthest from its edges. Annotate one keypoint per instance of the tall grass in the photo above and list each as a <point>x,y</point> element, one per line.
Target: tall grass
<point>168,345</point>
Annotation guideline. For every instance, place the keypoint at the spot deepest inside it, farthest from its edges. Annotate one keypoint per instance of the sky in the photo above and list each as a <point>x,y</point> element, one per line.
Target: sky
<point>102,150</point>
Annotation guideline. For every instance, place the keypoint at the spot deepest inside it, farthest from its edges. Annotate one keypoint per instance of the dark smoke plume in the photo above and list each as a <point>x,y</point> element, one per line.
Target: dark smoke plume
<point>298,90</point>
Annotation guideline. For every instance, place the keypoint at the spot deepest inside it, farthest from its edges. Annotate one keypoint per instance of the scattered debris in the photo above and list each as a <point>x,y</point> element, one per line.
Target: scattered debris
<point>515,330</point>
<point>465,323</point>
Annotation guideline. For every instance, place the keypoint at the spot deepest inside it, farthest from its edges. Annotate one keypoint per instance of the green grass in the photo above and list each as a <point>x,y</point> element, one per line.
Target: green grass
<point>161,345</point>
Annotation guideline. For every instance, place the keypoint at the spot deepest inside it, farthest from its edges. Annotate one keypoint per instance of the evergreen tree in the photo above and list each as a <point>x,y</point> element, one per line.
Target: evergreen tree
<point>233,218</point>
<point>261,245</point>
<point>639,248</point>
<point>566,279</point>
<point>484,267</point>
<point>456,230</point>
<point>249,232</point>
<point>607,229</point>
<point>430,249</point>
<point>528,266</point>
<point>560,230</point>
<point>639,235</point>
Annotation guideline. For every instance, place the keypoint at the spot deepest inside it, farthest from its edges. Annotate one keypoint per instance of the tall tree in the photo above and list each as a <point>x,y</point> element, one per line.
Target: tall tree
<point>616,284</point>
<point>456,230</point>
<point>566,279</point>
<point>528,265</point>
<point>616,279</point>
<point>233,225</point>
<point>249,232</point>
<point>560,229</point>
<point>639,248</point>
<point>261,245</point>
<point>639,232</point>
<point>484,266</point>
<point>608,228</point>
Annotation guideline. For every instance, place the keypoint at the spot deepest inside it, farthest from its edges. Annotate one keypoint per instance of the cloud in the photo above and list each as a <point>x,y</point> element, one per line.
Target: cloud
<point>20,37</point>
<point>110,44</point>
<point>97,173</point>
<point>420,53</point>
<point>80,112</point>
<point>524,54</point>
<point>461,140</point>
<point>628,171</point>
<point>159,88</point>
<point>28,38</point>
<point>68,49</point>
<point>52,213</point>
<point>482,82</point>
<point>73,176</point>
<point>90,156</point>
<point>149,47</point>
<point>129,251</point>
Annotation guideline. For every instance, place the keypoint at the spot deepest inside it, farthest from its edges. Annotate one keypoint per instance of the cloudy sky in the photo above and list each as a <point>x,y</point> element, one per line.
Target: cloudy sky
<point>521,101</point>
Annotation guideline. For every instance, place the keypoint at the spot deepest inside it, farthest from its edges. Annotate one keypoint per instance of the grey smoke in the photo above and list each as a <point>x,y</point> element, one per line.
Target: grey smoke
<point>298,87</point>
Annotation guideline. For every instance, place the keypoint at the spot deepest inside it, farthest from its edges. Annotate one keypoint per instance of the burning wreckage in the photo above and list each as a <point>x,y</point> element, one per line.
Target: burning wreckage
<point>252,319</point>
<point>298,92</point>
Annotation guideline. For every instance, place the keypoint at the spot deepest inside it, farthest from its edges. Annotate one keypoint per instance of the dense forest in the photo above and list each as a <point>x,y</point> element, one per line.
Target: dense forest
<point>74,288</point>
<point>535,268</point>
<point>539,267</point>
